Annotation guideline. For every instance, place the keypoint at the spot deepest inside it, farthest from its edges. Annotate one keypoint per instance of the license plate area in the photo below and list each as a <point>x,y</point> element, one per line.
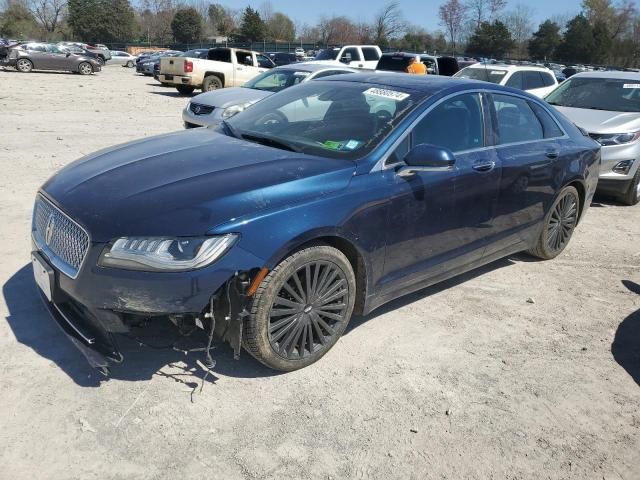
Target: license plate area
<point>43,275</point>
<point>168,77</point>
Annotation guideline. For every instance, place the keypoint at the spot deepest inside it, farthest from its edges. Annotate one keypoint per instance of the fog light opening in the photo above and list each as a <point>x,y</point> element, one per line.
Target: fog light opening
<point>623,167</point>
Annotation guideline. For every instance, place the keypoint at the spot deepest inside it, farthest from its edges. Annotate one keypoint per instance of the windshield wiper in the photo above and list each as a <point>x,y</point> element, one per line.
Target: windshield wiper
<point>271,142</point>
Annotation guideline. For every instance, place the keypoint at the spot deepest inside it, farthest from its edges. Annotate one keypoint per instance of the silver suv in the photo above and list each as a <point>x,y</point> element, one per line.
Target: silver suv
<point>607,106</point>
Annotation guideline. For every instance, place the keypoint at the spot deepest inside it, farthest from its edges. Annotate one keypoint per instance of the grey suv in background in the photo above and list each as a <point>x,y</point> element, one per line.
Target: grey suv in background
<point>47,56</point>
<point>606,105</point>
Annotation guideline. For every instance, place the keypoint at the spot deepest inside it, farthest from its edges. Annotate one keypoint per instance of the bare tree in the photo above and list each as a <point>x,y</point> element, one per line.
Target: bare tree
<point>485,10</point>
<point>266,11</point>
<point>48,13</point>
<point>495,7</point>
<point>453,14</point>
<point>520,25</point>
<point>388,23</point>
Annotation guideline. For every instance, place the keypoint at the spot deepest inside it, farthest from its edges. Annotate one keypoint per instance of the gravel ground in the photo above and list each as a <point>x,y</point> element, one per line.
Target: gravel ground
<point>522,369</point>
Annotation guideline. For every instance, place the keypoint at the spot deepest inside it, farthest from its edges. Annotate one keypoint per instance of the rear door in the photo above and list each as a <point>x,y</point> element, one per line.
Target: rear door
<point>352,57</point>
<point>38,55</point>
<point>370,57</point>
<point>528,142</point>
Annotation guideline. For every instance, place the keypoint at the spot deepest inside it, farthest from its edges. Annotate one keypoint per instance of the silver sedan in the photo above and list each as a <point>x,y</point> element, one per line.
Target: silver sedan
<point>211,108</point>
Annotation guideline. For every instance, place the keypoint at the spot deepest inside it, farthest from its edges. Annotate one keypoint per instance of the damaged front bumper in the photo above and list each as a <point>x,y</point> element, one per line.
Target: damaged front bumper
<point>101,303</point>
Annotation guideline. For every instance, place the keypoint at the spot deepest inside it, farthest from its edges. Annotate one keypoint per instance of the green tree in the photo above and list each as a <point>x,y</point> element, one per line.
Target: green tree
<point>545,40</point>
<point>280,27</point>
<point>18,22</point>
<point>602,41</point>
<point>187,25</point>
<point>578,43</point>
<point>105,21</point>
<point>491,39</point>
<point>252,27</point>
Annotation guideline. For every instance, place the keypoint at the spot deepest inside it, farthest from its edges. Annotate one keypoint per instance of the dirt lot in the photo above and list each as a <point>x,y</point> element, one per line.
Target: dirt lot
<point>523,369</point>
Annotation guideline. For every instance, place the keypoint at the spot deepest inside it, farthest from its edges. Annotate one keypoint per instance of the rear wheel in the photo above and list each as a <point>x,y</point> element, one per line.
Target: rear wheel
<point>211,83</point>
<point>632,195</point>
<point>185,89</point>
<point>85,68</point>
<point>24,65</point>
<point>559,224</point>
<point>101,60</point>
<point>301,309</point>
<point>130,64</point>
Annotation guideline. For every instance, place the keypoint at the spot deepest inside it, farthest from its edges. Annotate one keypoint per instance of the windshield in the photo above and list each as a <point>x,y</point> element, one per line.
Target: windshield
<point>486,74</point>
<point>611,94</point>
<point>274,81</point>
<point>328,54</point>
<point>331,119</point>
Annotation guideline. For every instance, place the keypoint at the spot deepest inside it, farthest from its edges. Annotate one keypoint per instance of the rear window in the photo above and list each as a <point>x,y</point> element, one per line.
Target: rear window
<point>487,74</point>
<point>393,63</point>
<point>221,55</point>
<point>370,53</point>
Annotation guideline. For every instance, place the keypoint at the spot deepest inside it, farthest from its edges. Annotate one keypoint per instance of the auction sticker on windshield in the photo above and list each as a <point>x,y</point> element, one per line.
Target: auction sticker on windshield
<point>631,85</point>
<point>385,93</point>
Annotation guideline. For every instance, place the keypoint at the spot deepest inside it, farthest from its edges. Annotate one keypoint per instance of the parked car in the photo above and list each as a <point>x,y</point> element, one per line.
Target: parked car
<point>148,66</point>
<point>299,52</point>
<point>77,50</point>
<point>123,58</point>
<point>399,61</point>
<point>283,58</point>
<point>355,56</point>
<point>143,57</point>
<point>223,67</point>
<point>322,201</point>
<point>46,56</point>
<point>538,81</point>
<point>607,106</point>
<point>211,108</point>
<point>101,51</point>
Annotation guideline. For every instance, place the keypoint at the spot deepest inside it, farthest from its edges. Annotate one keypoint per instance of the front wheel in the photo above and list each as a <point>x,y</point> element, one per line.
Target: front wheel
<point>100,60</point>
<point>632,195</point>
<point>301,309</point>
<point>23,65</point>
<point>185,89</point>
<point>130,64</point>
<point>85,68</point>
<point>559,224</point>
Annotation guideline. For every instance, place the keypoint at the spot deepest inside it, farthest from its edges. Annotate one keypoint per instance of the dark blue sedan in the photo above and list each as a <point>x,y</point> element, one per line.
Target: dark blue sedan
<point>320,202</point>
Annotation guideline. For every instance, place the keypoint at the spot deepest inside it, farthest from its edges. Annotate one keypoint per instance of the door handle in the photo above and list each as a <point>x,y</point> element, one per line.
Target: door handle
<point>551,153</point>
<point>239,68</point>
<point>484,166</point>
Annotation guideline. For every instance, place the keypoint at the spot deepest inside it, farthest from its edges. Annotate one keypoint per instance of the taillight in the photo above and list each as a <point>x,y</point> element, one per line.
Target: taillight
<point>188,66</point>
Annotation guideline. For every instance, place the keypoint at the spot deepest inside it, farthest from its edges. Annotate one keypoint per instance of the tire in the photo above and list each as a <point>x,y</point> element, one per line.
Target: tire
<point>286,332</point>
<point>559,224</point>
<point>130,64</point>
<point>85,68</point>
<point>24,65</point>
<point>632,195</point>
<point>211,83</point>
<point>101,61</point>
<point>185,89</point>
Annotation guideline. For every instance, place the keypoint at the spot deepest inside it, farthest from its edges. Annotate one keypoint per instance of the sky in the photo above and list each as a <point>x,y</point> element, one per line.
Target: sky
<point>423,13</point>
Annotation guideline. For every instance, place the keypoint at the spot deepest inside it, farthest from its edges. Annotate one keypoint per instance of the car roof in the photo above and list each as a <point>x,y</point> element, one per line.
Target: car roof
<point>407,54</point>
<point>312,67</point>
<point>635,76</point>
<point>508,67</point>
<point>427,84</point>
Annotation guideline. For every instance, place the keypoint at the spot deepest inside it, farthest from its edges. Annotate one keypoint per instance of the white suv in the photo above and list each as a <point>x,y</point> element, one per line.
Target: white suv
<point>538,81</point>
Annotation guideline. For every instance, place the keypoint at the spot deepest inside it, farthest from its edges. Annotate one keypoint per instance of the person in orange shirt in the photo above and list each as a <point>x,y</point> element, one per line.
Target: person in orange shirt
<point>416,67</point>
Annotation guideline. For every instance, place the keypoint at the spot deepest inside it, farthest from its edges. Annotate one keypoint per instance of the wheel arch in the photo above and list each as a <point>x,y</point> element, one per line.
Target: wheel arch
<point>215,74</point>
<point>582,194</point>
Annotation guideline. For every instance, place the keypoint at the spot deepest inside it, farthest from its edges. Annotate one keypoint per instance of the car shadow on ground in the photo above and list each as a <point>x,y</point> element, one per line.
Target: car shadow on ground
<point>154,354</point>
<point>174,94</point>
<point>626,344</point>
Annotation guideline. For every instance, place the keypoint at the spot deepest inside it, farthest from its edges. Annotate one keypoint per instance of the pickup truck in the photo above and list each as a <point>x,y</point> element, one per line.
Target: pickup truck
<point>355,56</point>
<point>223,67</point>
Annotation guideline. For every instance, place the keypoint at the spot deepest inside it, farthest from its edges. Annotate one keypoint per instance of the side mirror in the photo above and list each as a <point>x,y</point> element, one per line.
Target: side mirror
<point>427,158</point>
<point>346,58</point>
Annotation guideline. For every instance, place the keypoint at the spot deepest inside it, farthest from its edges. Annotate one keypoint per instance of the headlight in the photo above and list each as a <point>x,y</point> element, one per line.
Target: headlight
<point>617,138</point>
<point>234,109</point>
<point>165,254</point>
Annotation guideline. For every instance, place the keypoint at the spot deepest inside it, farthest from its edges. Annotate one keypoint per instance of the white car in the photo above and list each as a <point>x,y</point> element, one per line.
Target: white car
<point>123,58</point>
<point>538,81</point>
<point>354,56</point>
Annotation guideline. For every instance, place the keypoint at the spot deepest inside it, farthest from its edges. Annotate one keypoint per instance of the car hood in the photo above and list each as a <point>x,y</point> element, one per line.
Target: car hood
<point>186,183</point>
<point>227,97</point>
<point>602,121</point>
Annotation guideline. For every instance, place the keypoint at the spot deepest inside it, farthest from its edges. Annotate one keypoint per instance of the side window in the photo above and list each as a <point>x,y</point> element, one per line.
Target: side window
<point>400,152</point>
<point>355,55</point>
<point>547,79</point>
<point>370,53</point>
<point>549,126</point>
<point>532,80</point>
<point>244,58</point>
<point>455,124</point>
<point>264,62</point>
<point>516,121</point>
<point>36,47</point>
<point>516,81</point>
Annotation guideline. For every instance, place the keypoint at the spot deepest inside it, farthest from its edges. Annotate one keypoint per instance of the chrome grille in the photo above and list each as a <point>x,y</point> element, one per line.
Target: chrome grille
<point>200,109</point>
<point>61,239</point>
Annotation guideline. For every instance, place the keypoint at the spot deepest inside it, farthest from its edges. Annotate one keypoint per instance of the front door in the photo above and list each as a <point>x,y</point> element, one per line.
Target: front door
<point>441,220</point>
